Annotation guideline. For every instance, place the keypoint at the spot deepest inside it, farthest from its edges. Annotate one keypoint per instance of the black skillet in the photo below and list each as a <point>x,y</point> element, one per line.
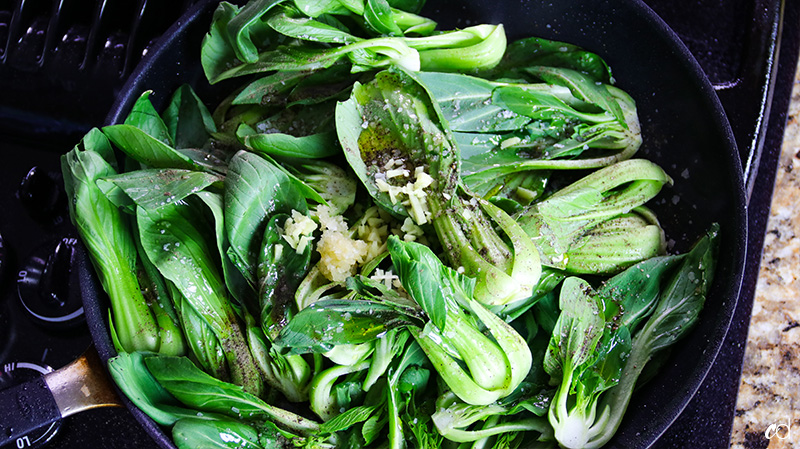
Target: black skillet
<point>684,129</point>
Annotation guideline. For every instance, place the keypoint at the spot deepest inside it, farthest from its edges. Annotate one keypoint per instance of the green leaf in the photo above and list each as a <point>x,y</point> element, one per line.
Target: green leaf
<point>636,290</point>
<point>413,356</point>
<point>289,374</point>
<point>394,117</point>
<point>254,190</point>
<point>371,289</point>
<point>132,377</point>
<point>157,294</point>
<point>280,270</point>
<point>201,340</point>
<point>578,329</point>
<point>413,379</point>
<point>372,427</point>
<point>188,120</point>
<point>546,310</point>
<point>247,26</point>
<point>223,433</point>
<point>582,87</point>
<point>216,53</point>
<point>314,146</point>
<point>542,105</point>
<point>184,250</point>
<point>176,241</point>
<point>299,120</point>
<point>349,418</point>
<point>683,298</point>
<point>433,285</point>
<point>378,16</point>
<point>331,322</point>
<point>95,141</point>
<point>237,285</point>
<point>504,128</point>
<point>613,350</point>
<point>308,29</point>
<point>147,149</point>
<point>466,103</point>
<point>323,87</point>
<point>424,434</point>
<point>536,51</point>
<point>145,117</point>
<point>413,6</point>
<point>153,188</point>
<point>329,183</point>
<point>198,390</point>
<point>315,8</point>
<point>270,89</point>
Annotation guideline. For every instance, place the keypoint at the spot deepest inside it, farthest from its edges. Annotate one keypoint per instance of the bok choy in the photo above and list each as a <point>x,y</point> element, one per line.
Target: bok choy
<point>383,235</point>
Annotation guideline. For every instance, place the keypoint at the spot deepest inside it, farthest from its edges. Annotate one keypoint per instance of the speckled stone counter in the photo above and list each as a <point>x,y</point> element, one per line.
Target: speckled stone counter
<point>768,406</point>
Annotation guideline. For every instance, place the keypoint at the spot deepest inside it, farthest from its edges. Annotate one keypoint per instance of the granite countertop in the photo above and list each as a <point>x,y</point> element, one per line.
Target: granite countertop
<point>768,406</point>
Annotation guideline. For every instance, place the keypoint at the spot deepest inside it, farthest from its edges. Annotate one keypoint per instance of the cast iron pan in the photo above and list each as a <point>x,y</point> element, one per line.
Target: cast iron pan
<point>684,130</point>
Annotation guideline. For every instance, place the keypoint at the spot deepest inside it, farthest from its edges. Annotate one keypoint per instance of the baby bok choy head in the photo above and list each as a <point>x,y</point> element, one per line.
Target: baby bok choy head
<point>479,356</point>
<point>266,36</point>
<point>106,232</point>
<point>513,133</point>
<point>603,338</point>
<point>400,147</point>
<point>597,224</point>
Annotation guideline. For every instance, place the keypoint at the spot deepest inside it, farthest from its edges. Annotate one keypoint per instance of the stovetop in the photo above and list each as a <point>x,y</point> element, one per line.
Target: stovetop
<point>749,57</point>
<point>61,65</point>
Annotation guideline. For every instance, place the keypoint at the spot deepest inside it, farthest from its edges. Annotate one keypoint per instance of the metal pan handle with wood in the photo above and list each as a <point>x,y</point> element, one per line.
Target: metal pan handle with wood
<point>82,385</point>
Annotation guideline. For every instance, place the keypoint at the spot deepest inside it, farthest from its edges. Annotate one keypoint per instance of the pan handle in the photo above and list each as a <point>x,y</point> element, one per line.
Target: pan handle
<point>748,98</point>
<point>33,405</point>
<point>26,408</point>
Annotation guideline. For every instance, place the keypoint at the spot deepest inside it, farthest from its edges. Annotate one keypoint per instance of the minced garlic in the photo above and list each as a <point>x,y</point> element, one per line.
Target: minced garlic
<point>412,194</point>
<point>373,228</point>
<point>387,278</point>
<point>411,232</point>
<point>297,231</point>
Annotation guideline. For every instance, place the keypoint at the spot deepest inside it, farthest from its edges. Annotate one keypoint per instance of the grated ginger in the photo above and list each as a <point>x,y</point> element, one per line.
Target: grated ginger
<point>343,250</point>
<point>340,254</point>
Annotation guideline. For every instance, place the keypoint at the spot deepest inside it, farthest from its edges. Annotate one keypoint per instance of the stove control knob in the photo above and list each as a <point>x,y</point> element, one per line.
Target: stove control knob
<point>18,373</point>
<point>47,285</point>
<point>42,195</point>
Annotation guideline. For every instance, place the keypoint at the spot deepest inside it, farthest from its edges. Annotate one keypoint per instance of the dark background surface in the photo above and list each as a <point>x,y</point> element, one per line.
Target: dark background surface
<point>741,44</point>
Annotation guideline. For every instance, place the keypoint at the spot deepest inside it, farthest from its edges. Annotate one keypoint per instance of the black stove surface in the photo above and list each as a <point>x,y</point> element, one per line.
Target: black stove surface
<point>61,65</point>
<point>747,54</point>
